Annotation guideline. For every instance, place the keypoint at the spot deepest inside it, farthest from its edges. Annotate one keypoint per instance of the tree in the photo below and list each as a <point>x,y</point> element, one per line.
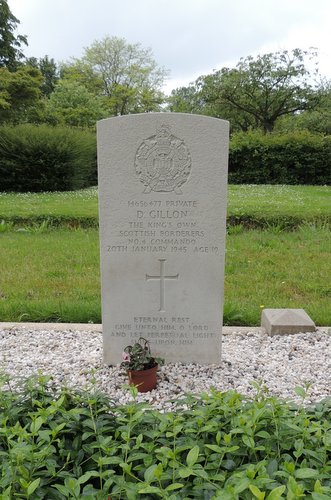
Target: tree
<point>187,100</point>
<point>265,88</point>
<point>49,71</point>
<point>10,44</point>
<point>72,104</point>
<point>19,90</point>
<point>317,120</point>
<point>201,97</point>
<point>79,72</point>
<point>125,73</point>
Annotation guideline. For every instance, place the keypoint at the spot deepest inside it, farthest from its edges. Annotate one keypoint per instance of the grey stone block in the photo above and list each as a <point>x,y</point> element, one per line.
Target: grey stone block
<point>285,321</point>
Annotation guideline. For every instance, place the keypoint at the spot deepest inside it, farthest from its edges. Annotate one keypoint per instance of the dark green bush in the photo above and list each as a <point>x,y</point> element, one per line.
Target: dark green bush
<point>43,158</point>
<point>294,158</point>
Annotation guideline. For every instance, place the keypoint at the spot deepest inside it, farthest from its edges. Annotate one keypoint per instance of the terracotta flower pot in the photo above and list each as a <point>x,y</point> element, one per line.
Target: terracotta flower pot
<point>144,380</point>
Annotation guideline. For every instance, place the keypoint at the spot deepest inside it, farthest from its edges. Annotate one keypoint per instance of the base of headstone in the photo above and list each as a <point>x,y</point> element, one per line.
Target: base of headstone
<point>286,321</point>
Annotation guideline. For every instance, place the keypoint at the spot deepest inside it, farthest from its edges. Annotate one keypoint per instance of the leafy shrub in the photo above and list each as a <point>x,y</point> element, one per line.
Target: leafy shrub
<point>218,446</point>
<point>43,158</point>
<point>294,158</point>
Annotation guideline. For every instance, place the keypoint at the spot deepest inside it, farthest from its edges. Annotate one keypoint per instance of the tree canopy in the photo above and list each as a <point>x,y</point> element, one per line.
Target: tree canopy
<point>49,70</point>
<point>10,43</point>
<point>274,91</point>
<point>19,91</point>
<point>72,104</point>
<point>257,91</point>
<point>125,73</point>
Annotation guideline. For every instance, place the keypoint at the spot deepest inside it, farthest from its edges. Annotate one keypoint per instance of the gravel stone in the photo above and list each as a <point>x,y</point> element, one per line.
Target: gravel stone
<point>74,358</point>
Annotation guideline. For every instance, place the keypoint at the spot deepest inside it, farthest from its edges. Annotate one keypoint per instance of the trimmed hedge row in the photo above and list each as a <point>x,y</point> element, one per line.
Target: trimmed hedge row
<point>44,158</point>
<point>294,158</point>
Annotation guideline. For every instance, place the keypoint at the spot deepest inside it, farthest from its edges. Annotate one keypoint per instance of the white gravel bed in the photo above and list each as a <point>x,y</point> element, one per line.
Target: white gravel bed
<point>74,358</point>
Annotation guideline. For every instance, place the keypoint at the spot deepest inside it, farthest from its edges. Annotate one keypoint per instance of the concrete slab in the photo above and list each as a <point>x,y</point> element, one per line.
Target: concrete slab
<point>286,321</point>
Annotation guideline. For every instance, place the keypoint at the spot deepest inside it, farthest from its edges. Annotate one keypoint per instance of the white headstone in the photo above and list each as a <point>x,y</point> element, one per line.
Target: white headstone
<point>162,198</point>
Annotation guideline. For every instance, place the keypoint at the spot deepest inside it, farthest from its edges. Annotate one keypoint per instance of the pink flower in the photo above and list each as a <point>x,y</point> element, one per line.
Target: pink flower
<point>126,357</point>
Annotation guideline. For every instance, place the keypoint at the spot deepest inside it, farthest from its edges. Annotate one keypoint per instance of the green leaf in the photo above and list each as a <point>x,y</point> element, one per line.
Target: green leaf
<point>185,472</point>
<point>192,456</point>
<point>85,477</point>
<point>248,441</point>
<point>200,473</point>
<point>227,438</point>
<point>150,489</point>
<point>215,448</point>
<point>101,461</point>
<point>73,485</point>
<point>36,424</point>
<point>174,486</point>
<point>263,434</point>
<point>231,449</point>
<point>305,473</point>
<point>327,439</point>
<point>272,467</point>
<point>300,391</point>
<point>320,496</point>
<point>6,495</point>
<point>241,485</point>
<point>62,489</point>
<point>257,492</point>
<point>150,473</point>
<point>23,483</point>
<point>33,486</point>
<point>237,430</point>
<point>276,493</point>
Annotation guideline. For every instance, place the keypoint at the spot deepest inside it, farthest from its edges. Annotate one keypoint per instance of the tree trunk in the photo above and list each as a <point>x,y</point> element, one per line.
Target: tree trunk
<point>268,126</point>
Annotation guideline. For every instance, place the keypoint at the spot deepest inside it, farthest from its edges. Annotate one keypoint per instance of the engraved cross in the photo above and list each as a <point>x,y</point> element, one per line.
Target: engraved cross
<point>162,277</point>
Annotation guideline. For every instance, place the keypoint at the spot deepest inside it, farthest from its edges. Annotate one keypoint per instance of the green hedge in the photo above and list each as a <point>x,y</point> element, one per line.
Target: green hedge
<point>43,158</point>
<point>294,158</point>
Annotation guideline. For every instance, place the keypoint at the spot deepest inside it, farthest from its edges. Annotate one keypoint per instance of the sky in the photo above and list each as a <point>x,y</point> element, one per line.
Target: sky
<point>188,37</point>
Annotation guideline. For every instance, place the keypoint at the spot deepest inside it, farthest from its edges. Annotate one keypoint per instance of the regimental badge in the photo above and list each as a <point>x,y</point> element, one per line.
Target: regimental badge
<point>163,162</point>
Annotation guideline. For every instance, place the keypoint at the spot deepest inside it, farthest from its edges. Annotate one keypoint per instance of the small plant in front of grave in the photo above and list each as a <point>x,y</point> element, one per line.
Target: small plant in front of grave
<point>141,365</point>
<point>139,357</point>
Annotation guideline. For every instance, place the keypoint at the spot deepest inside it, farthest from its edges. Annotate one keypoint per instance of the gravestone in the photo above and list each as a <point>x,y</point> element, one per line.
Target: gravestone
<point>162,204</point>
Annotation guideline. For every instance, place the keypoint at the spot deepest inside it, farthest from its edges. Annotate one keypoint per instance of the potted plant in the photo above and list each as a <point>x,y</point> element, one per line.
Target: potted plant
<point>140,365</point>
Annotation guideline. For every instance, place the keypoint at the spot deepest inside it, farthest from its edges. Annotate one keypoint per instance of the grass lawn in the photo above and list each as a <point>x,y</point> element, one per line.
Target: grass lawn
<point>54,275</point>
<point>281,205</point>
<point>255,204</point>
